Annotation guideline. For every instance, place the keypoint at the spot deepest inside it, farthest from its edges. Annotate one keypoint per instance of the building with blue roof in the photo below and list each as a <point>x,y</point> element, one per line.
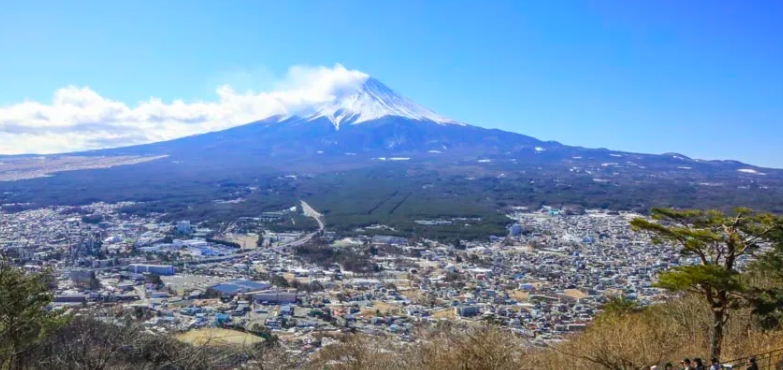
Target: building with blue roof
<point>235,287</point>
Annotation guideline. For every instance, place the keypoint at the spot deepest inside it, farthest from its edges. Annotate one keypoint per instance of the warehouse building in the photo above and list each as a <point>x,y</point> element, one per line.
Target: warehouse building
<point>236,287</point>
<point>152,269</point>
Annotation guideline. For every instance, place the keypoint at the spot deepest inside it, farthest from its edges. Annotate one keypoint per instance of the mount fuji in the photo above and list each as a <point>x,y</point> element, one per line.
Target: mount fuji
<point>368,146</point>
<point>372,101</point>
<point>370,118</point>
<point>364,124</point>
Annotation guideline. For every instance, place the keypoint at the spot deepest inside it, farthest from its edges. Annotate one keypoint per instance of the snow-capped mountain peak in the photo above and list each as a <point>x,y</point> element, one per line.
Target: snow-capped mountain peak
<point>373,100</point>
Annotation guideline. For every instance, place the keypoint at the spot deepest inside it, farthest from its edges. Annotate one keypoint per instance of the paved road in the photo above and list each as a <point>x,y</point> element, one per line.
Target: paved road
<point>310,212</point>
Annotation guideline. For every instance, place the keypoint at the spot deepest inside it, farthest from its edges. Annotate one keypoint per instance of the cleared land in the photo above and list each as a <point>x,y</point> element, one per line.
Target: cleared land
<point>383,307</point>
<point>246,241</point>
<point>25,168</point>
<point>447,313</point>
<point>573,293</point>
<point>518,295</point>
<point>218,337</point>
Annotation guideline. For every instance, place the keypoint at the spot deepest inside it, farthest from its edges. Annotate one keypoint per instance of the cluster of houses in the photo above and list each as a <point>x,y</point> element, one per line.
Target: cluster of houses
<point>549,276</point>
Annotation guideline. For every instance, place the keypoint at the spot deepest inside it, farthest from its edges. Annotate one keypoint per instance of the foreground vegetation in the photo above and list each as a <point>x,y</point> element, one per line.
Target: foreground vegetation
<point>618,340</point>
<point>718,242</point>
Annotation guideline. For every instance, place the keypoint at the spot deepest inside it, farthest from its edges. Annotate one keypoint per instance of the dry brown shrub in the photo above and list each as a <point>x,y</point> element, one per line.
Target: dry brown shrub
<point>660,334</point>
<point>631,341</point>
<point>449,347</point>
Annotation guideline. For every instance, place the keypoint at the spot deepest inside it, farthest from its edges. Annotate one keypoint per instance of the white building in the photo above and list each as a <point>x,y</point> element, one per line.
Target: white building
<point>184,227</point>
<point>275,296</point>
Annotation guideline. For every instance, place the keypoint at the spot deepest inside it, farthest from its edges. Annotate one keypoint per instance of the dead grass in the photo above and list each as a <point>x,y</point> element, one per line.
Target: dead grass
<point>518,295</point>
<point>218,337</point>
<point>574,293</point>
<point>444,313</point>
<point>383,307</point>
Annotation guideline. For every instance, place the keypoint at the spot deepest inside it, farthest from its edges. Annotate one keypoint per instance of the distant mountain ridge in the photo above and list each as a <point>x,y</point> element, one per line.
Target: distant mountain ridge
<point>371,156</point>
<point>370,119</point>
<point>374,121</point>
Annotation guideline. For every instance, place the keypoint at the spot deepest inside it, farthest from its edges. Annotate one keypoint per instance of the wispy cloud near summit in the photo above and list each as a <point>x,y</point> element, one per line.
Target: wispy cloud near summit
<point>79,118</point>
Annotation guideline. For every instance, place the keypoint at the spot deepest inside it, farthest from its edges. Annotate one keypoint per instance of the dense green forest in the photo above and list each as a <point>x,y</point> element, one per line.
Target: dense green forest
<point>396,195</point>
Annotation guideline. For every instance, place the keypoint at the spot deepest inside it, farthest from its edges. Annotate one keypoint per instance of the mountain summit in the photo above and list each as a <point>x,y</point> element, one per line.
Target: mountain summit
<point>365,117</point>
<point>371,101</point>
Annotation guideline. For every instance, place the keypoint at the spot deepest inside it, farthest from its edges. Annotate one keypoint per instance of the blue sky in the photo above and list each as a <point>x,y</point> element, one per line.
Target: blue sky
<point>704,78</point>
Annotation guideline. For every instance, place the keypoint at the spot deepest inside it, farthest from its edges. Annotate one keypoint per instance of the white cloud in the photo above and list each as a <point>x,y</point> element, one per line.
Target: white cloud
<point>79,118</point>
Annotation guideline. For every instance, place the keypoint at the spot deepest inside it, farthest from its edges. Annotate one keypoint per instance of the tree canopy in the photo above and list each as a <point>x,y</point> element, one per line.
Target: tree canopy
<point>24,317</point>
<point>717,242</point>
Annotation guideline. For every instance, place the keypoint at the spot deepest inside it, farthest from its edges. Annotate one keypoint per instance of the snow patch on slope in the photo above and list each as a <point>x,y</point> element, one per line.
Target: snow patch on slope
<point>751,171</point>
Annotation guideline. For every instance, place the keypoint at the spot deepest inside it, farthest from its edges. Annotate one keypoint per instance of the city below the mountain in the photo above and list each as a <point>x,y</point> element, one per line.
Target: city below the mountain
<point>369,213</point>
<point>194,196</point>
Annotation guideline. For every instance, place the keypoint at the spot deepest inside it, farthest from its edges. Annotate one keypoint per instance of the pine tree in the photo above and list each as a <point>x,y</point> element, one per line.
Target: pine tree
<point>24,318</point>
<point>717,240</point>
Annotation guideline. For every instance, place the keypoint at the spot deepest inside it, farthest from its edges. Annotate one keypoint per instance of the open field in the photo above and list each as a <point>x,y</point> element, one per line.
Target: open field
<point>518,295</point>
<point>383,307</point>
<point>216,336</point>
<point>574,293</point>
<point>246,241</point>
<point>25,168</point>
<point>447,313</point>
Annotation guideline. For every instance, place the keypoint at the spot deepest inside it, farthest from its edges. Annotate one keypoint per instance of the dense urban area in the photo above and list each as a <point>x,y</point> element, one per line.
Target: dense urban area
<point>244,283</point>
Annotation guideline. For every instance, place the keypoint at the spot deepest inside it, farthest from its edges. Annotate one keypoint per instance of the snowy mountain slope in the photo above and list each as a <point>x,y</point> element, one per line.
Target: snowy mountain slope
<point>367,137</point>
<point>372,121</point>
<point>368,118</point>
<point>371,101</point>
